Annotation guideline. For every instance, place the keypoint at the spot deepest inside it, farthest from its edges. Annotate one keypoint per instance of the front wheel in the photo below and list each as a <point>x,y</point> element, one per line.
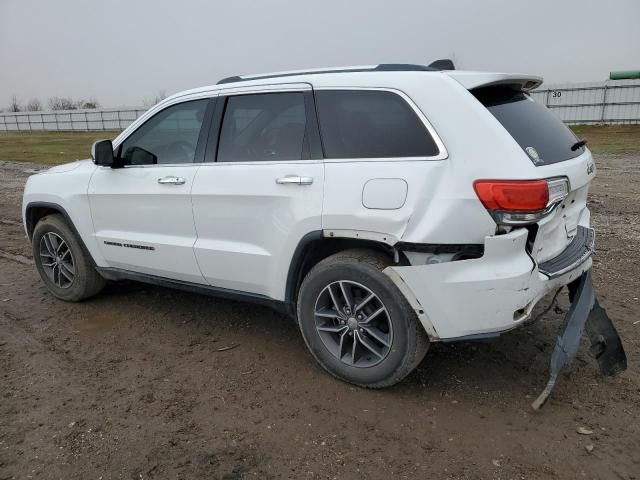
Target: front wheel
<point>356,322</point>
<point>61,261</point>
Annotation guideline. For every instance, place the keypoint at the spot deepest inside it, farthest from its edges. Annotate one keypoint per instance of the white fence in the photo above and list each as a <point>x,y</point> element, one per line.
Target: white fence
<point>612,102</point>
<point>70,120</point>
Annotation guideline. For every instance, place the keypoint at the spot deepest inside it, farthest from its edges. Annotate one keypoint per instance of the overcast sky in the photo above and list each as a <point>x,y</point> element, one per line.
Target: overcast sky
<point>121,51</point>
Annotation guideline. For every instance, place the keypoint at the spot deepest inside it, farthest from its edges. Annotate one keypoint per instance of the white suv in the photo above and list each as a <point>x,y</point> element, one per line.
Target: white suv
<point>384,207</point>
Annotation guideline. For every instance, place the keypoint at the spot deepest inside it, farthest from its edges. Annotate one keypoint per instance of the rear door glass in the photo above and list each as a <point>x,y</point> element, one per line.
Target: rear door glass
<point>542,135</point>
<point>264,127</point>
<point>370,124</point>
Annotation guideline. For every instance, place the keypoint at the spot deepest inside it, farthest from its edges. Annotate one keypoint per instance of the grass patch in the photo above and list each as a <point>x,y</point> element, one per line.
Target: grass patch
<point>610,139</point>
<point>49,148</point>
<point>54,148</point>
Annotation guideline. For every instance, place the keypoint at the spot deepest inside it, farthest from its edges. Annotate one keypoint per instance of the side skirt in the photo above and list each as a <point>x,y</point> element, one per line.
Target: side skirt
<point>121,274</point>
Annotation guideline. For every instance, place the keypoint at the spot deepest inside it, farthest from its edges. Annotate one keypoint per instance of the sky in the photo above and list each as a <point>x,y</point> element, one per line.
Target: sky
<point>124,51</point>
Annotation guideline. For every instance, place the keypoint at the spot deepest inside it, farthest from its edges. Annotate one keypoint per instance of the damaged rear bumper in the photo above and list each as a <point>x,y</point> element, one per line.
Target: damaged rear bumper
<point>585,313</point>
<point>485,296</point>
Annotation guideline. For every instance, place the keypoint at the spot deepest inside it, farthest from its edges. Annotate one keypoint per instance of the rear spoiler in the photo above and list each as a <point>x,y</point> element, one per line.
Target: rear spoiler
<point>472,80</point>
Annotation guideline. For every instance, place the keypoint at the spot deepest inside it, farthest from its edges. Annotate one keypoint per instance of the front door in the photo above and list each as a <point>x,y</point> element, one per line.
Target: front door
<point>142,211</point>
<point>263,194</point>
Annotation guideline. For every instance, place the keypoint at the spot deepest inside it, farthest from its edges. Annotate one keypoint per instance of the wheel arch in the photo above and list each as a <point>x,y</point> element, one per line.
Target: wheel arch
<point>313,248</point>
<point>36,211</point>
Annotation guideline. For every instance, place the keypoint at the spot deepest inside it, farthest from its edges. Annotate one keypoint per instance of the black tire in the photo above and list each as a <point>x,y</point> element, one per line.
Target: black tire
<point>86,281</point>
<point>409,342</point>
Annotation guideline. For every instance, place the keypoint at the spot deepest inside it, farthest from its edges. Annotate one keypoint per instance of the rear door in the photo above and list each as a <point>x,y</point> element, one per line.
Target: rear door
<point>142,212</point>
<point>260,190</point>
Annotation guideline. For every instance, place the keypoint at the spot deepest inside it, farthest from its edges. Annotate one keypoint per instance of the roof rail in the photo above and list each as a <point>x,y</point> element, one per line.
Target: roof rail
<point>444,64</point>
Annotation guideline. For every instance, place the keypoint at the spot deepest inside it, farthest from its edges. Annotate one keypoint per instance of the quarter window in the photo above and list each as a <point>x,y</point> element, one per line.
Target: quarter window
<point>371,124</point>
<point>264,127</point>
<point>168,137</point>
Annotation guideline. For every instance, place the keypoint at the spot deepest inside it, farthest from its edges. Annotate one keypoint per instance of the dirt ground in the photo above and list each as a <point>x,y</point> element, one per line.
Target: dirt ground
<point>136,384</point>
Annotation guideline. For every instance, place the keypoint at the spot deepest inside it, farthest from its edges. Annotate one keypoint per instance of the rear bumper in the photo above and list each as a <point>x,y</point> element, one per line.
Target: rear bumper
<point>489,295</point>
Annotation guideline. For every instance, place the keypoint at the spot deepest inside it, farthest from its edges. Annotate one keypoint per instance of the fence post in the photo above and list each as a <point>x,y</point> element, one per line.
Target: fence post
<point>604,103</point>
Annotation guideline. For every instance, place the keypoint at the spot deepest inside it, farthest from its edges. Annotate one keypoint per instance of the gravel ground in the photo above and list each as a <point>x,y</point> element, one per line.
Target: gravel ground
<point>136,383</point>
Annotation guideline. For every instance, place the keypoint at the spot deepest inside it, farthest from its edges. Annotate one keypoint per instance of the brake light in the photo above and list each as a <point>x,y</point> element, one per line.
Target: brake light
<point>518,196</point>
<point>514,202</point>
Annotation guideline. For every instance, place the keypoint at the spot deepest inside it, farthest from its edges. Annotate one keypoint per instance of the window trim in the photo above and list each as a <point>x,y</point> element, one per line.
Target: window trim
<point>442,150</point>
<point>312,131</point>
<point>159,108</point>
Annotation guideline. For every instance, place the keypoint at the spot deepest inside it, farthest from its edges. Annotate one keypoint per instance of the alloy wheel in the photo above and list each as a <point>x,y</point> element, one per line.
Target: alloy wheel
<point>57,260</point>
<point>353,323</point>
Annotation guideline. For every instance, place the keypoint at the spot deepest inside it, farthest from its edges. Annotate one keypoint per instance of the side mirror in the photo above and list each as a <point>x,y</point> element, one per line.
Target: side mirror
<point>102,153</point>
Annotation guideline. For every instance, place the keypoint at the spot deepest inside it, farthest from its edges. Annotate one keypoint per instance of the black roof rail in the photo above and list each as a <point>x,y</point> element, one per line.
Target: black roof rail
<point>438,65</point>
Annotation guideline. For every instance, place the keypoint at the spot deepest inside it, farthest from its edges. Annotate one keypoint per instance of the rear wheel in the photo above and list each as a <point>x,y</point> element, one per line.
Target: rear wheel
<point>61,261</point>
<point>356,322</point>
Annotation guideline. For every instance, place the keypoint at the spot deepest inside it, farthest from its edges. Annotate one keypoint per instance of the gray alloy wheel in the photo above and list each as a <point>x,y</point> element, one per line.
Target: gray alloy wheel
<point>353,323</point>
<point>57,260</point>
<point>64,265</point>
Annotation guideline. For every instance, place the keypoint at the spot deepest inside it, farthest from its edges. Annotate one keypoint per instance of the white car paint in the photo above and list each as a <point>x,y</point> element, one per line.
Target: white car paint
<point>231,226</point>
<point>129,206</point>
<point>249,226</point>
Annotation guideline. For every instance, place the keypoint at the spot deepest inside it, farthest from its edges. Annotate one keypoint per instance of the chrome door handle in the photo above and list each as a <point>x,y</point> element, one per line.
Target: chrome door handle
<point>294,180</point>
<point>171,181</point>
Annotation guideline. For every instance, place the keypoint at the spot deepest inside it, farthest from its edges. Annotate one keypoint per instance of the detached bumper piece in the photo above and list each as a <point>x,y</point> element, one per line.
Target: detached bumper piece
<point>580,248</point>
<point>585,314</point>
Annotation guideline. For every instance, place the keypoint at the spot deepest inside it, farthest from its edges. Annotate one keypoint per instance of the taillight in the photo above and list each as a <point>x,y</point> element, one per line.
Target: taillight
<point>517,202</point>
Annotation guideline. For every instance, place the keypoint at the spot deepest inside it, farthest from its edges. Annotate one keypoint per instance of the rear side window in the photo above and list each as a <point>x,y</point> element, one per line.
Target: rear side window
<point>542,135</point>
<point>264,127</point>
<point>370,124</point>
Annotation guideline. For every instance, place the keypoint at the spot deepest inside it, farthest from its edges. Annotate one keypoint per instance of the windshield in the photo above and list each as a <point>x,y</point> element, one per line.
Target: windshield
<point>541,134</point>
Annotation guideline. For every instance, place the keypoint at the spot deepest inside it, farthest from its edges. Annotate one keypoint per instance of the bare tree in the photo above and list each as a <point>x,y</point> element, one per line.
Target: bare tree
<point>62,103</point>
<point>14,106</point>
<point>161,95</point>
<point>34,105</point>
<point>91,103</point>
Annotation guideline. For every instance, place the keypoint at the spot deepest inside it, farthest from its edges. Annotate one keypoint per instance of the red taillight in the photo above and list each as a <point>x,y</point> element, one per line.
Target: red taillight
<point>513,195</point>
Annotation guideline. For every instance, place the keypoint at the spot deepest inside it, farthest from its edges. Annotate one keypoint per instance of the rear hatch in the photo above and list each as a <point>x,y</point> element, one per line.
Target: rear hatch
<point>554,151</point>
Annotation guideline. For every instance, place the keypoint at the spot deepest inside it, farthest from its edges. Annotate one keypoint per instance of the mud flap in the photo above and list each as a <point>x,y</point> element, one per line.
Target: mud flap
<point>585,313</point>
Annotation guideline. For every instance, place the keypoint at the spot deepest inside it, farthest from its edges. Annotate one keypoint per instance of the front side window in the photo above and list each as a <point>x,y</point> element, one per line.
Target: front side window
<point>168,137</point>
<point>371,124</point>
<point>264,127</point>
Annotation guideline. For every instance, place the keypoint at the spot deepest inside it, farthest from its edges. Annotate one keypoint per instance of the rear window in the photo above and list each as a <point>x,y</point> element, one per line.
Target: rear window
<point>370,124</point>
<point>543,136</point>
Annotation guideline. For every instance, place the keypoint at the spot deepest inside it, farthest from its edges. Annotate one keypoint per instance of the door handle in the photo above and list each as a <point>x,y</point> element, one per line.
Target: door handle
<point>294,180</point>
<point>171,181</point>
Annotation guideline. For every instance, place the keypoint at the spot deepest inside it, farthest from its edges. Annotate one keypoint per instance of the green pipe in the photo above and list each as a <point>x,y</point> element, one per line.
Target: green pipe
<point>624,75</point>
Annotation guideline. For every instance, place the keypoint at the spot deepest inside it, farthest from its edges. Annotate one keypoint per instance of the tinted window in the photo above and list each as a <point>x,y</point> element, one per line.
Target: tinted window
<point>263,127</point>
<point>370,124</point>
<point>170,136</point>
<point>539,132</point>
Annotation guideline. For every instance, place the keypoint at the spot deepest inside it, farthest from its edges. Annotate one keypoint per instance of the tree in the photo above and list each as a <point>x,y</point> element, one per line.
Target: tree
<point>161,95</point>
<point>91,103</point>
<point>62,103</point>
<point>14,106</point>
<point>34,105</point>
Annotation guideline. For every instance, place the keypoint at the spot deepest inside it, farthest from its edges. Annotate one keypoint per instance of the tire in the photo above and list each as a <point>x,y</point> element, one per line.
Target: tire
<point>70,281</point>
<point>399,347</point>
